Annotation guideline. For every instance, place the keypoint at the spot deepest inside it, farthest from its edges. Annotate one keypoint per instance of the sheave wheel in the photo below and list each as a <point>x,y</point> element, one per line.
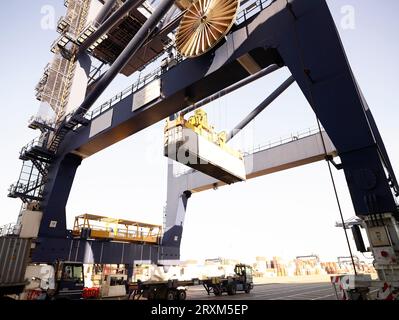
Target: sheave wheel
<point>204,24</point>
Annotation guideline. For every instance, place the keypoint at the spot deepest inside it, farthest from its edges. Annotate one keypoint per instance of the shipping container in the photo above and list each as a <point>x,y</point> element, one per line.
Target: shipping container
<point>14,255</point>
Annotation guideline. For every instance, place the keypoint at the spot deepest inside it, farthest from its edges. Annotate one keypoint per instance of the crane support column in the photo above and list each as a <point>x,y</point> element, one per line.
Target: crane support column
<point>60,179</point>
<point>175,211</point>
<point>342,115</point>
<point>321,70</point>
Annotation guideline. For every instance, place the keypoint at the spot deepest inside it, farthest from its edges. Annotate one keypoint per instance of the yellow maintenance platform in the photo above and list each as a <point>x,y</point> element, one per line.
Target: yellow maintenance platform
<point>100,227</point>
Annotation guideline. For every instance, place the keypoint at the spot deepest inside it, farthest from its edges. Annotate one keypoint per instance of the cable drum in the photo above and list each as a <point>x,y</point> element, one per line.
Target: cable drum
<point>204,24</point>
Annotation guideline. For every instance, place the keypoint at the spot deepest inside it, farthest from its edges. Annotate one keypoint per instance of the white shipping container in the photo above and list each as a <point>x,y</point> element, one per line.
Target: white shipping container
<point>197,152</point>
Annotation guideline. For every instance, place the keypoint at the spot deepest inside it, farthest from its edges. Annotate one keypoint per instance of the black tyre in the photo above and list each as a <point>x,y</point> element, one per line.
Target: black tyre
<point>248,289</point>
<point>181,295</point>
<point>6,298</point>
<point>171,295</point>
<point>151,295</point>
<point>217,291</point>
<point>231,290</point>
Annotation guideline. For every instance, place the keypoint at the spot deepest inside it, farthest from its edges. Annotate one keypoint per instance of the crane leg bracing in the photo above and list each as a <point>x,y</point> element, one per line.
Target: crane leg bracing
<point>298,34</point>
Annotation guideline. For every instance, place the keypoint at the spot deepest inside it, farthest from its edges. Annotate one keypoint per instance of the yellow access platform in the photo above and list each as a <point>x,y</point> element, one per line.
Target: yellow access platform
<point>100,227</point>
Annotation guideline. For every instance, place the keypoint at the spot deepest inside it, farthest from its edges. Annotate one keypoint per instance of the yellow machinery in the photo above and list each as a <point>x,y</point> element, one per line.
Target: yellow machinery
<point>195,143</point>
<point>99,227</point>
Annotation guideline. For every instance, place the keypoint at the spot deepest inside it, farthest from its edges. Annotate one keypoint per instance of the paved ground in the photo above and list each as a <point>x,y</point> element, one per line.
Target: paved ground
<point>273,291</point>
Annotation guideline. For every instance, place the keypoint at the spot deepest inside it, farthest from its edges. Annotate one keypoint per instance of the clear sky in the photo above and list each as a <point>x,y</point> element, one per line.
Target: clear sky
<point>287,214</point>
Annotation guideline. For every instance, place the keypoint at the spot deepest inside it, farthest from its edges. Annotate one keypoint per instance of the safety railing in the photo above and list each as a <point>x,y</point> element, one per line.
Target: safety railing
<point>29,188</point>
<point>274,143</point>
<point>140,83</point>
<point>252,10</point>
<point>39,142</point>
<point>41,121</point>
<point>131,234</point>
<point>30,182</point>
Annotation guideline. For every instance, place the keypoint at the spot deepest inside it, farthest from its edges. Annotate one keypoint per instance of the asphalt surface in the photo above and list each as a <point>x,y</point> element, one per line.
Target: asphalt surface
<point>273,291</point>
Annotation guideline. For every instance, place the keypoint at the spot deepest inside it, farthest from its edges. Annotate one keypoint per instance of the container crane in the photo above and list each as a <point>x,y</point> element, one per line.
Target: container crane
<point>261,37</point>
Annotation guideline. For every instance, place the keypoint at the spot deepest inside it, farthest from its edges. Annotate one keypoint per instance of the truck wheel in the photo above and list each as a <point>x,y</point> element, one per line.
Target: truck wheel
<point>231,290</point>
<point>151,295</point>
<point>217,291</point>
<point>6,298</point>
<point>181,295</point>
<point>248,289</point>
<point>171,295</point>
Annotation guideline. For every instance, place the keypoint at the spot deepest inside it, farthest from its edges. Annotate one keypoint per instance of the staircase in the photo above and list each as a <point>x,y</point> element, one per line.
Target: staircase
<point>37,156</point>
<point>64,127</point>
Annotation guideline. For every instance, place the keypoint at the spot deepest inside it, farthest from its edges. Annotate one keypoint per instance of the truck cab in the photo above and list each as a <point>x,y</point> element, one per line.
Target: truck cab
<point>62,280</point>
<point>244,278</point>
<point>69,281</point>
<point>114,286</point>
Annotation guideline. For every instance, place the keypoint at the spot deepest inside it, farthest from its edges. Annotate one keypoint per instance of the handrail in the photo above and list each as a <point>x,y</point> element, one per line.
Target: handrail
<point>250,11</point>
<point>37,142</point>
<point>140,83</point>
<point>21,187</point>
<point>281,141</point>
<point>132,232</point>
<point>41,120</point>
